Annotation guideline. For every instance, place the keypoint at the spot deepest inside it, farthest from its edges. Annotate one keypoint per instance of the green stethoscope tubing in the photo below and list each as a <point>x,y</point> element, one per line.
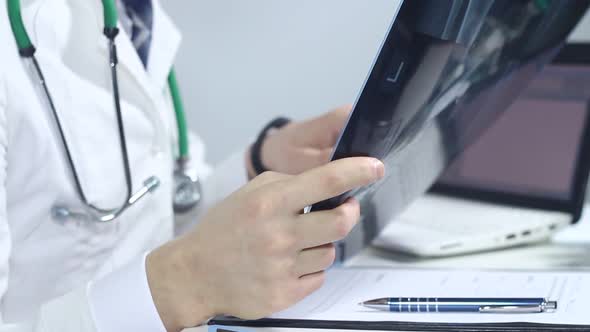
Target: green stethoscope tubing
<point>110,14</point>
<point>27,50</point>
<point>183,148</point>
<point>18,27</point>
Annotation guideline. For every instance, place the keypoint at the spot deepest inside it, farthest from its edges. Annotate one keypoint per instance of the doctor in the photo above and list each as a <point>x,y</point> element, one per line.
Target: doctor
<point>73,257</point>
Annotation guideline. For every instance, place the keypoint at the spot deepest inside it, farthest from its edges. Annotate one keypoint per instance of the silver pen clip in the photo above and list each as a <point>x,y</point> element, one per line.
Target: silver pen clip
<point>510,309</point>
<point>518,309</point>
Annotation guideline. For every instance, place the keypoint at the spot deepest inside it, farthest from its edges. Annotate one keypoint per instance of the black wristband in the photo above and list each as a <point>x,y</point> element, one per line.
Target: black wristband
<point>256,151</point>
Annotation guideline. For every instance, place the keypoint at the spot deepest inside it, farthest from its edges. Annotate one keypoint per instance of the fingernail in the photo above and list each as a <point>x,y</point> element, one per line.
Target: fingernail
<point>379,168</point>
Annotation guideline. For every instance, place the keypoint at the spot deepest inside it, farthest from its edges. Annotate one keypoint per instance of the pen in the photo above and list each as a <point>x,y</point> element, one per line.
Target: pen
<point>475,305</point>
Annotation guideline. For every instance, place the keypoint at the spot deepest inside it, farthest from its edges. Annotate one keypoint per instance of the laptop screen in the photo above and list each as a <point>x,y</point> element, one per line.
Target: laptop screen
<point>533,152</point>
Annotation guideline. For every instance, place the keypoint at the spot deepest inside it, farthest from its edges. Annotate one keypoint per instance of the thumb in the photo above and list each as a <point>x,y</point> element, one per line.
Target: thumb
<point>322,132</point>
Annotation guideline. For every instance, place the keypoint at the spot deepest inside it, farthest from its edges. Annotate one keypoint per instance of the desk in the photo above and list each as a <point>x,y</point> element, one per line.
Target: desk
<point>568,250</point>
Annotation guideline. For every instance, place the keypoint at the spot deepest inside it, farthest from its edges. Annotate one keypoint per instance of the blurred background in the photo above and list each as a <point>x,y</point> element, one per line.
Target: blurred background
<point>243,63</point>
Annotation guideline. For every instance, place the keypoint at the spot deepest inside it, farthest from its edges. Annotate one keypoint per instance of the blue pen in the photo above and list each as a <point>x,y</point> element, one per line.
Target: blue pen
<point>463,305</point>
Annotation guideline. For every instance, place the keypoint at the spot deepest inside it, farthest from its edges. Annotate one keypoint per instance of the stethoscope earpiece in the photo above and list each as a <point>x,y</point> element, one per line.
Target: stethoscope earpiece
<point>63,213</point>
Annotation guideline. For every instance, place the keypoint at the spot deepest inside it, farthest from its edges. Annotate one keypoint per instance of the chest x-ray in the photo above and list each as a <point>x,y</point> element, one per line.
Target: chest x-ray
<point>447,69</point>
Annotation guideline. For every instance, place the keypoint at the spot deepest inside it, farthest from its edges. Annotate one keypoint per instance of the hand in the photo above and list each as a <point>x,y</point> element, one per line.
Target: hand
<point>255,254</point>
<point>300,146</point>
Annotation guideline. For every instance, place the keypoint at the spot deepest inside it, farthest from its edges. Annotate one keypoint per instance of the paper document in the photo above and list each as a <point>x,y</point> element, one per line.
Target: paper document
<point>338,299</point>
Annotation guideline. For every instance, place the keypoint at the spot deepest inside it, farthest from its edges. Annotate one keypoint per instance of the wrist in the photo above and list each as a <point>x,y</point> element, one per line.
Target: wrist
<point>173,286</point>
<point>259,157</point>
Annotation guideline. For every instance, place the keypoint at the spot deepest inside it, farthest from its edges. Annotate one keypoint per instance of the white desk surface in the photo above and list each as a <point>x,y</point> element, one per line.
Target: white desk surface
<point>568,250</point>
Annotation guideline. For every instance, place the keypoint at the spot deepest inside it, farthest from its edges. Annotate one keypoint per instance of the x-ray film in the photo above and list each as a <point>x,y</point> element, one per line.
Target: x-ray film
<point>446,70</point>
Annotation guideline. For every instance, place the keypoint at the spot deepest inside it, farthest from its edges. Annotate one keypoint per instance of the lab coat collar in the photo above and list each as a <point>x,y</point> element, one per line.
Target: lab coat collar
<point>164,46</point>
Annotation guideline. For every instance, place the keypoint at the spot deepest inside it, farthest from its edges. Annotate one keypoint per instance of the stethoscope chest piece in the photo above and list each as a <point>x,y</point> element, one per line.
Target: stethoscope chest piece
<point>187,189</point>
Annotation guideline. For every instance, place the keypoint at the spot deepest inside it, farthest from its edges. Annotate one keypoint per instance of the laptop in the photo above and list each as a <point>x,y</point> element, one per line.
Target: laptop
<point>519,182</point>
<point>446,71</point>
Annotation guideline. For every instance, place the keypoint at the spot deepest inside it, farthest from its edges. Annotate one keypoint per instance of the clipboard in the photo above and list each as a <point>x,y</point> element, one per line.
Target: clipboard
<point>232,324</point>
<point>335,305</point>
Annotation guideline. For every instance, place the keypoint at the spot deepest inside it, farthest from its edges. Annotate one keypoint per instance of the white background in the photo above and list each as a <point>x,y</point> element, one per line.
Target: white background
<point>244,62</point>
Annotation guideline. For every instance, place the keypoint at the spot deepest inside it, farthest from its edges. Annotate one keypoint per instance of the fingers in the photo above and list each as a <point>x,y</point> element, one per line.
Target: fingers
<point>323,131</point>
<point>311,158</point>
<point>332,180</point>
<point>264,179</point>
<point>310,283</point>
<point>315,260</point>
<point>323,227</point>
<point>318,157</point>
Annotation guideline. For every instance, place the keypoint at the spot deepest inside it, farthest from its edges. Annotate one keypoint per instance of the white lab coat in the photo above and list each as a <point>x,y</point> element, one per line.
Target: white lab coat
<point>45,265</point>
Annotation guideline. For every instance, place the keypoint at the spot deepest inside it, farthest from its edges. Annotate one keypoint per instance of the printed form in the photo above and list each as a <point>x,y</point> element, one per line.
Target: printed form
<point>338,299</point>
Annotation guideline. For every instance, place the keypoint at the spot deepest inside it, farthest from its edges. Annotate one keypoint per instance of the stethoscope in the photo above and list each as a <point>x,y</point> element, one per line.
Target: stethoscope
<point>187,188</point>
